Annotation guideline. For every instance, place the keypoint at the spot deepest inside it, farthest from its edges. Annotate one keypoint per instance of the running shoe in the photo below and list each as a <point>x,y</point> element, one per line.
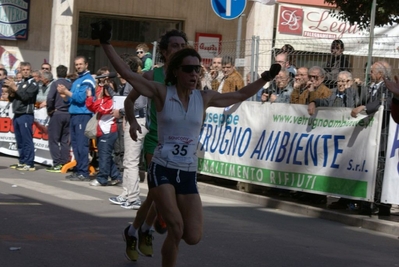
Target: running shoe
<point>145,242</point>
<point>26,168</point>
<point>73,175</point>
<point>135,205</point>
<point>131,252</point>
<point>96,183</point>
<point>114,182</point>
<point>118,200</point>
<point>79,178</point>
<point>55,168</point>
<point>14,166</point>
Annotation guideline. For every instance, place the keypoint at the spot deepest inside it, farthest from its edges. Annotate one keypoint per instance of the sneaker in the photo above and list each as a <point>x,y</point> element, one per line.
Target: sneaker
<point>145,242</point>
<point>56,168</point>
<point>114,182</point>
<point>135,205</point>
<point>131,245</point>
<point>14,166</point>
<point>118,200</point>
<point>160,224</point>
<point>79,177</point>
<point>96,183</point>
<point>26,168</point>
<point>73,175</point>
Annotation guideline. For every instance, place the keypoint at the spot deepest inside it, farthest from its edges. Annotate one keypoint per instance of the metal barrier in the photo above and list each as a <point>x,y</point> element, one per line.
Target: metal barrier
<point>256,55</point>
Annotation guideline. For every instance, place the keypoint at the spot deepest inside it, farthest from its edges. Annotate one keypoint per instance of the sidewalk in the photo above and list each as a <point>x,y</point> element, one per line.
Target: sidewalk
<point>384,224</point>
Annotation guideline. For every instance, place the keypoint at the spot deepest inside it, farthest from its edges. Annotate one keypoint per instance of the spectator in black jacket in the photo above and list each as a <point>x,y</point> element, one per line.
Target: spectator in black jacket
<point>58,128</point>
<point>336,63</point>
<point>23,98</point>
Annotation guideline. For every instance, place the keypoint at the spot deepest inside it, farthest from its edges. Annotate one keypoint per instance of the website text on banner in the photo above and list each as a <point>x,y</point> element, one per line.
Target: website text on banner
<point>279,145</point>
<point>8,144</point>
<point>390,186</point>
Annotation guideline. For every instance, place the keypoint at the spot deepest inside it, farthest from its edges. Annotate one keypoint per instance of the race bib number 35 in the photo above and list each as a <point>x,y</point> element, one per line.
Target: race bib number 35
<point>179,149</point>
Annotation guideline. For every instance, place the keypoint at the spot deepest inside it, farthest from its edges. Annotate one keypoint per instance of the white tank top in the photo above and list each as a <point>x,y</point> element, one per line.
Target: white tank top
<point>178,131</point>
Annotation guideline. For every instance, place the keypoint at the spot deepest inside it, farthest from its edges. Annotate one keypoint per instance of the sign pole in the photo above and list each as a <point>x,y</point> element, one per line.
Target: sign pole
<point>239,33</point>
<point>371,41</point>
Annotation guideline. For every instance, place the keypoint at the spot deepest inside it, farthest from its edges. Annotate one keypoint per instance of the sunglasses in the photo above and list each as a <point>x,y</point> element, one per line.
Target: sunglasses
<point>316,77</point>
<point>190,68</point>
<point>139,52</point>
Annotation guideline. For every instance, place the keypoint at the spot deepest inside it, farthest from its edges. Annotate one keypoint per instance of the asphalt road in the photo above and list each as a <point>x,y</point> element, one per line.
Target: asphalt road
<point>46,220</point>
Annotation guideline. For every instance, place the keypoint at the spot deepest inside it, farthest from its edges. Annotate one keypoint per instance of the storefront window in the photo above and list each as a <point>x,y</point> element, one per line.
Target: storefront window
<point>128,29</point>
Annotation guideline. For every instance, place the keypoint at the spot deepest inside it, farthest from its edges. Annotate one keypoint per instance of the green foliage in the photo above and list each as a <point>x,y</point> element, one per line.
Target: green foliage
<point>359,12</point>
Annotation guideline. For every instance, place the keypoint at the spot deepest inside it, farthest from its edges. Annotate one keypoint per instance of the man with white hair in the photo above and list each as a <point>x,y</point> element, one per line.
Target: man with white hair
<point>380,71</point>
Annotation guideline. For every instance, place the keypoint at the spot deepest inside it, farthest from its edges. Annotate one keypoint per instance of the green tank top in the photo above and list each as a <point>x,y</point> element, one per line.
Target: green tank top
<point>151,138</point>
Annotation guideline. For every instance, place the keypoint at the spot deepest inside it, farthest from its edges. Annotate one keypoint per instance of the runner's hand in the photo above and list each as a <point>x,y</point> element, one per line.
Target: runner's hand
<point>271,73</point>
<point>101,30</point>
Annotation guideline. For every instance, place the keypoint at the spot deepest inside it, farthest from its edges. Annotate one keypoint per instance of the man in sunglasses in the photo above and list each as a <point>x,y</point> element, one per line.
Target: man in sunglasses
<point>300,93</point>
<point>145,56</point>
<point>232,80</point>
<point>46,67</point>
<point>317,89</point>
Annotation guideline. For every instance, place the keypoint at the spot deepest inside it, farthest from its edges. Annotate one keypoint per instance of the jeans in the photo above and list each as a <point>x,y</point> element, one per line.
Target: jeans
<point>106,163</point>
<point>80,143</point>
<point>24,137</point>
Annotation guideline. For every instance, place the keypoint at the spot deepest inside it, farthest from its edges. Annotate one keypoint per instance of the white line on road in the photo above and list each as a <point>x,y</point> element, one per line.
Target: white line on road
<point>48,189</point>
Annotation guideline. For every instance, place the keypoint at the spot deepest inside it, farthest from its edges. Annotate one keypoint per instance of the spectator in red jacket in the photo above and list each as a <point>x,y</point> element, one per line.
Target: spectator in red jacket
<point>107,133</point>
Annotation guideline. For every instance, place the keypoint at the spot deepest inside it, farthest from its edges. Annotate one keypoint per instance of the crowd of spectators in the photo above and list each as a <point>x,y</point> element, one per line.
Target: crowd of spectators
<point>72,99</point>
<point>330,84</point>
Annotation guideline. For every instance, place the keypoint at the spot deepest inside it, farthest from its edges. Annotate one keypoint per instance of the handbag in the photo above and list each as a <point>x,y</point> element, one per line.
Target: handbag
<point>91,127</point>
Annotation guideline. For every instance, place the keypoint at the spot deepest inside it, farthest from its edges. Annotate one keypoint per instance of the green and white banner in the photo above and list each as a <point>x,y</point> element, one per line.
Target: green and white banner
<point>280,145</point>
<point>390,186</point>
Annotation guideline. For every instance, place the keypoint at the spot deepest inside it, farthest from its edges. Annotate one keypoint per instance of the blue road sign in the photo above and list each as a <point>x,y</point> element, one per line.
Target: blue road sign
<point>228,9</point>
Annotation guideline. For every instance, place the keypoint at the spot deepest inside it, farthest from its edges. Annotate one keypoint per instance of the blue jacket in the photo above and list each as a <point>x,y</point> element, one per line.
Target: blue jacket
<point>78,99</point>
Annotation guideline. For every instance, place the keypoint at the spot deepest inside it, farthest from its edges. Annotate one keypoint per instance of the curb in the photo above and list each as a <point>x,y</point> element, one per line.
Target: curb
<point>370,223</point>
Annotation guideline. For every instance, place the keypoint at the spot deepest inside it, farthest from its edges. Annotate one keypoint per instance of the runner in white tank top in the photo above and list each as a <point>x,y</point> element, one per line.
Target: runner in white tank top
<point>172,179</point>
<point>178,131</point>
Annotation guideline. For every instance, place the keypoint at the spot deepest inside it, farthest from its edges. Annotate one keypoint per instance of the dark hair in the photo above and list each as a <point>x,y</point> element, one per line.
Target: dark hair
<point>287,48</point>
<point>62,71</point>
<point>4,71</point>
<point>338,43</point>
<point>45,63</point>
<point>175,62</point>
<point>164,41</point>
<point>102,70</point>
<point>289,52</point>
<point>72,76</point>
<point>134,62</point>
<point>227,60</point>
<point>25,63</point>
<point>81,57</point>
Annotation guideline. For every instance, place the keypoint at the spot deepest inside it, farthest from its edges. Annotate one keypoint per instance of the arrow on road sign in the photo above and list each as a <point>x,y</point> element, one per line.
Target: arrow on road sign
<point>228,9</point>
